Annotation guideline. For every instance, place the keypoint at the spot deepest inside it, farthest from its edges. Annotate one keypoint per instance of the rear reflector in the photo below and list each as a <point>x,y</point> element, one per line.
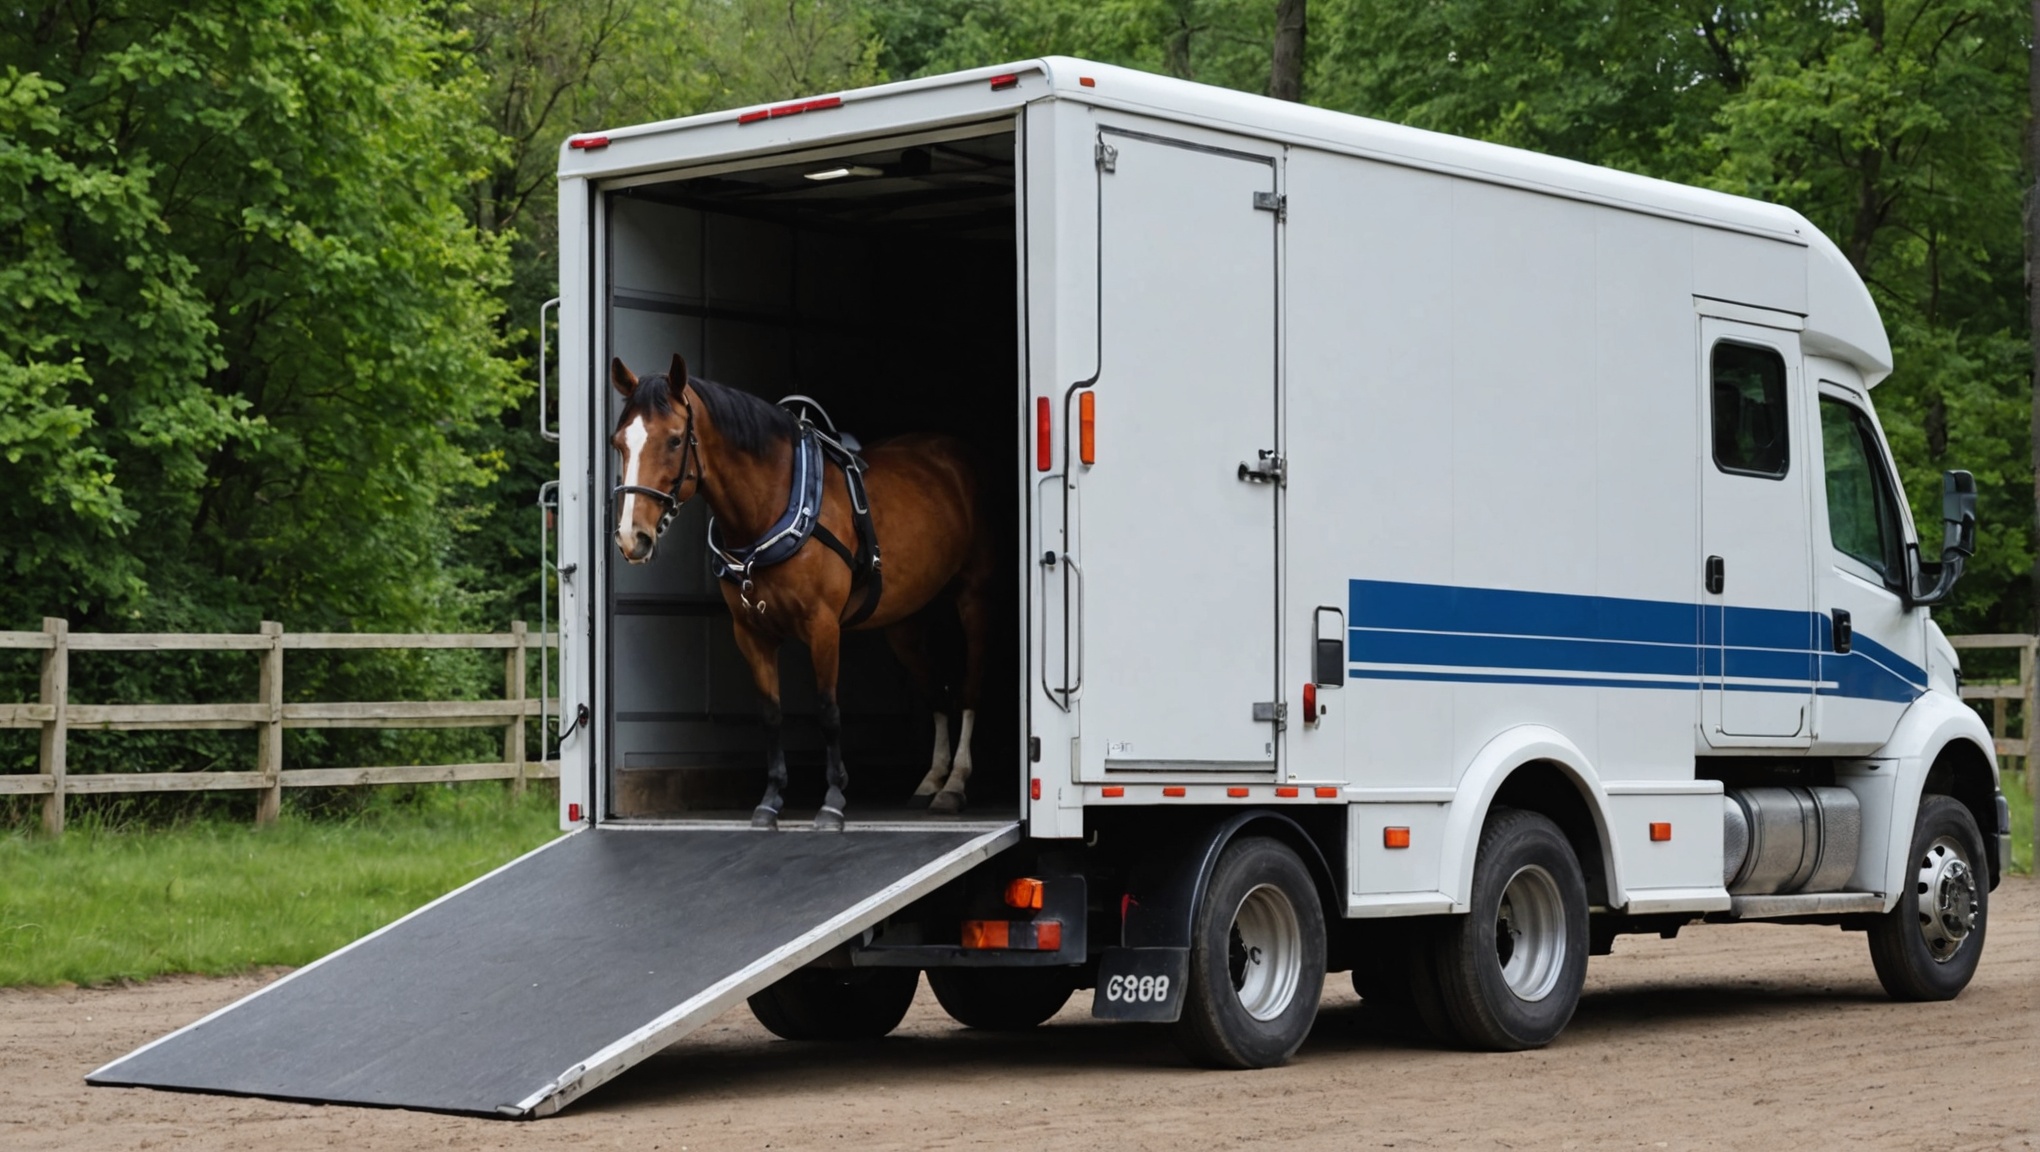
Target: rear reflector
<point>1395,837</point>
<point>1175,791</point>
<point>1236,793</point>
<point>1285,793</point>
<point>1087,427</point>
<point>1111,791</point>
<point>1327,793</point>
<point>573,813</point>
<point>1001,83</point>
<point>589,142</point>
<point>1044,454</point>
<point>793,109</point>
<point>1018,935</point>
<point>1023,893</point>
<point>1034,788</point>
<point>1310,703</point>
<point>1660,831</point>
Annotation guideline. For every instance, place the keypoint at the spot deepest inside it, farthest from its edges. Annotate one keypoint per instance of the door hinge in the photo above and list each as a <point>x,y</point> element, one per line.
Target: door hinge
<point>1269,468</point>
<point>1108,157</point>
<point>1271,202</point>
<point>1271,711</point>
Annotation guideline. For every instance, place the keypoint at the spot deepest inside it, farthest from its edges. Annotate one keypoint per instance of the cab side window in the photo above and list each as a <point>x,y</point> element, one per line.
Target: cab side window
<point>1862,513</point>
<point>1750,425</point>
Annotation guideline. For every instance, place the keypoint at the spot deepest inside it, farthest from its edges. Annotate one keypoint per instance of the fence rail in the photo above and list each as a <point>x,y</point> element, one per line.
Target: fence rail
<point>56,717</point>
<point>2002,694</point>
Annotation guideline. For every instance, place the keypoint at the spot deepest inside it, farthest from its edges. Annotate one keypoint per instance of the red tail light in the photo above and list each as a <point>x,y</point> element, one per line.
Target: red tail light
<point>1309,702</point>
<point>1044,454</point>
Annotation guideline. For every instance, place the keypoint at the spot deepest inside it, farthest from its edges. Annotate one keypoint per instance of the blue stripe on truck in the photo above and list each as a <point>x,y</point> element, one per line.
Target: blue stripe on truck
<point>1441,632</point>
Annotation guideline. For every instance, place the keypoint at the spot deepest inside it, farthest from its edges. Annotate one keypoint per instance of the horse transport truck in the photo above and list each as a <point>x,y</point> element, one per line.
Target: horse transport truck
<point>1391,554</point>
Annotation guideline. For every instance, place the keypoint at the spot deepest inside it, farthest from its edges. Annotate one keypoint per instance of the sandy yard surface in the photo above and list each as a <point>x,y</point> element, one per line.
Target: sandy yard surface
<point>1743,1036</point>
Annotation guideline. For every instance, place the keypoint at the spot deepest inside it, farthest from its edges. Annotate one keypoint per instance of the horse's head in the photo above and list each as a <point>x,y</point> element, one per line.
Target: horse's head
<point>658,455</point>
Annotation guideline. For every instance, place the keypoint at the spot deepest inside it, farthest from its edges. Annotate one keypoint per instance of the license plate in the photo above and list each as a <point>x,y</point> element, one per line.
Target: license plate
<point>1141,984</point>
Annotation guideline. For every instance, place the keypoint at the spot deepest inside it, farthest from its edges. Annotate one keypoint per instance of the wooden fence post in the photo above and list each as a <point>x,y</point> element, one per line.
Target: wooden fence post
<point>513,690</point>
<point>56,693</point>
<point>2029,723</point>
<point>269,747</point>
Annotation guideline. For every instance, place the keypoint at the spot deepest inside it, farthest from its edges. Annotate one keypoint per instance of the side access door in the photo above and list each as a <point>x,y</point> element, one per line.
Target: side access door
<point>1179,510</point>
<point>1757,620</point>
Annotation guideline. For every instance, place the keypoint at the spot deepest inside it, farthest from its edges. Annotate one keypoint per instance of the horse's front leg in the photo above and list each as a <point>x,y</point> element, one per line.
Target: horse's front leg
<point>762,654</point>
<point>825,646</point>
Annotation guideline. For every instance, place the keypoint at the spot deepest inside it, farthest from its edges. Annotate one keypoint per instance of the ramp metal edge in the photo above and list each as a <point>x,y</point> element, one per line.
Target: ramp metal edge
<point>614,1059</point>
<point>275,984</point>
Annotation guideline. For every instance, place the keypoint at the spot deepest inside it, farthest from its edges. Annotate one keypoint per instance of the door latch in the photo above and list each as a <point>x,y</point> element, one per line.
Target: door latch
<point>1107,157</point>
<point>1845,632</point>
<point>1268,469</point>
<point>1271,711</point>
<point>1272,202</point>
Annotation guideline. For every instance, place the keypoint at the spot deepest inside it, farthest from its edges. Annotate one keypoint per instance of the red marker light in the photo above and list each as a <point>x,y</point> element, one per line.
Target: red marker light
<point>1001,83</point>
<point>1087,82</point>
<point>585,142</point>
<point>1310,703</point>
<point>1034,788</point>
<point>1044,454</point>
<point>573,813</point>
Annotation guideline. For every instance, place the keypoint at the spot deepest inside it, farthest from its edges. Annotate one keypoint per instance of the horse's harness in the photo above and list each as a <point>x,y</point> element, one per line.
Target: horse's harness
<point>802,519</point>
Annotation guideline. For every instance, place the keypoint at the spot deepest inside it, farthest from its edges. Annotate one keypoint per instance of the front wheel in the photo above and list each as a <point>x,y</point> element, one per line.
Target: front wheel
<point>1511,969</point>
<point>1928,946</point>
<point>1257,959</point>
<point>837,1003</point>
<point>1002,999</point>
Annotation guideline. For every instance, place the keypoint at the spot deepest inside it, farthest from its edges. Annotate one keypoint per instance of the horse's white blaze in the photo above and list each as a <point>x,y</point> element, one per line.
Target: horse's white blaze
<point>938,764</point>
<point>960,774</point>
<point>634,438</point>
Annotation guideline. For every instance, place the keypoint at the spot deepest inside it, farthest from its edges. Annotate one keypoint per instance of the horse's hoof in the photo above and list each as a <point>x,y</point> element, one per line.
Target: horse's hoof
<point>947,803</point>
<point>765,818</point>
<point>920,799</point>
<point>828,820</point>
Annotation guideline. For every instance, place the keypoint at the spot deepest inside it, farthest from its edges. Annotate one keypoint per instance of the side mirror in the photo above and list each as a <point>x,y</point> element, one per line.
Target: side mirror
<point>1958,539</point>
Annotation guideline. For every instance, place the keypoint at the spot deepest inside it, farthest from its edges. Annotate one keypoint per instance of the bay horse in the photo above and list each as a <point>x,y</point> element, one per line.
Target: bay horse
<point>680,435</point>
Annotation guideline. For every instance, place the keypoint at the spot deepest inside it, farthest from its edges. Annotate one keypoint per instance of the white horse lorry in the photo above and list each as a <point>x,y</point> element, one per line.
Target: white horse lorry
<point>1422,559</point>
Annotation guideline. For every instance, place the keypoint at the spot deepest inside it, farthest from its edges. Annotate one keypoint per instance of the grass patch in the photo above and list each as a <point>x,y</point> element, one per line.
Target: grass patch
<point>2021,802</point>
<point>106,903</point>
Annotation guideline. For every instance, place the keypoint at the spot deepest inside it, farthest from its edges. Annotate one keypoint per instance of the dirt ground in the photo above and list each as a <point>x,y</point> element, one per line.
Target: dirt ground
<point>1745,1036</point>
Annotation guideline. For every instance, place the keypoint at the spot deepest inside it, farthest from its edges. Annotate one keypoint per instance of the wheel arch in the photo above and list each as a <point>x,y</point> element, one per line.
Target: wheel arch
<point>1167,886</point>
<point>1942,747</point>
<point>1537,769</point>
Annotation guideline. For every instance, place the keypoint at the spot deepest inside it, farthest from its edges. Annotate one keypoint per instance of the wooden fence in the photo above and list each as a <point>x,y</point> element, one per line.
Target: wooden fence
<point>2002,694</point>
<point>56,716</point>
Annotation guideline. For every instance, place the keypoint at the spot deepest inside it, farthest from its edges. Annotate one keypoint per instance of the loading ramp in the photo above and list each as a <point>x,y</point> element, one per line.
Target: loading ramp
<point>520,992</point>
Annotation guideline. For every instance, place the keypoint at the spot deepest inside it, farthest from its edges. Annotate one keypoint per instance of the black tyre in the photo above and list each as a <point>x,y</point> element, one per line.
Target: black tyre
<point>1928,946</point>
<point>1397,986</point>
<point>1511,969</point>
<point>1257,959</point>
<point>836,1003</point>
<point>1002,999</point>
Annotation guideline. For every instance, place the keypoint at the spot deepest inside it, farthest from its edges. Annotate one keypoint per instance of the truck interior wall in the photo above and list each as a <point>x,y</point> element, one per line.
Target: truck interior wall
<point>891,300</point>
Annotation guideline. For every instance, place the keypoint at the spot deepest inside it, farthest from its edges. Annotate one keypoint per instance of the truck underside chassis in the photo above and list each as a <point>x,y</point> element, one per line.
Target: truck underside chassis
<point>1225,924</point>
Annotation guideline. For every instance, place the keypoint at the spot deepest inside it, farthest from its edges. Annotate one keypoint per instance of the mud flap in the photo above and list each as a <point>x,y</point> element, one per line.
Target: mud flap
<point>1143,984</point>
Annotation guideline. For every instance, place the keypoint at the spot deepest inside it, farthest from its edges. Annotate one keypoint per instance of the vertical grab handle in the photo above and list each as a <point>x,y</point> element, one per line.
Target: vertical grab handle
<point>548,504</point>
<point>545,432</point>
<point>1068,689</point>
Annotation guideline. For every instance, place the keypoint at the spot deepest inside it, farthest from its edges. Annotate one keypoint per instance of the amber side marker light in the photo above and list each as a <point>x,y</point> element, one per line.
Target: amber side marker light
<point>1395,837</point>
<point>1173,791</point>
<point>1112,791</point>
<point>1660,831</point>
<point>1087,427</point>
<point>1327,793</point>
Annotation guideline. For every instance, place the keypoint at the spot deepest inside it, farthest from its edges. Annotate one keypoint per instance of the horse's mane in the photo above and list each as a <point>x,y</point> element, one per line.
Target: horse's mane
<point>750,424</point>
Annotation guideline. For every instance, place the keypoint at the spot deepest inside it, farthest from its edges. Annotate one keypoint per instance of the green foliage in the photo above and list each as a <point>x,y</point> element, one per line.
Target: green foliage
<point>112,903</point>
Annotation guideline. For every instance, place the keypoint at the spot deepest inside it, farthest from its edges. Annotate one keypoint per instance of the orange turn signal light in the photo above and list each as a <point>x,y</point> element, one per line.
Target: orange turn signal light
<point>1660,831</point>
<point>1395,837</point>
<point>1020,935</point>
<point>1087,427</point>
<point>1023,893</point>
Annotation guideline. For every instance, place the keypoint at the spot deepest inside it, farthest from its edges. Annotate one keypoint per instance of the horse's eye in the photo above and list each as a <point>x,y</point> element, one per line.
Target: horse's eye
<point>672,442</point>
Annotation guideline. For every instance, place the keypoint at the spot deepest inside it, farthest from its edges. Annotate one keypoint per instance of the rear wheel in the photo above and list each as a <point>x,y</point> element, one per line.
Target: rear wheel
<point>1002,999</point>
<point>1511,969</point>
<point>1928,946</point>
<point>837,1003</point>
<point>1257,959</point>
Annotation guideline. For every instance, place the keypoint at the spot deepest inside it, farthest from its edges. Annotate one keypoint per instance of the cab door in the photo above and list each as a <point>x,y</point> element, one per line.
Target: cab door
<point>1179,548</point>
<point>1873,647</point>
<point>1758,656</point>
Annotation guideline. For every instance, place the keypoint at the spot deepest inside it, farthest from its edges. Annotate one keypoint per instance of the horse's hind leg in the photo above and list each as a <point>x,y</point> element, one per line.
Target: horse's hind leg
<point>825,645</point>
<point>762,655</point>
<point>909,642</point>
<point>973,609</point>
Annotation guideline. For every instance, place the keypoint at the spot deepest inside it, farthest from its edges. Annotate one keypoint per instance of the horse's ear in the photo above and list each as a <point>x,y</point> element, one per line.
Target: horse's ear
<point>621,376</point>
<point>678,375</point>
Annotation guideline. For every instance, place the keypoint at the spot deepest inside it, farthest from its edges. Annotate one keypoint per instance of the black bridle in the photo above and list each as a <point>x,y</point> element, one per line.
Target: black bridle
<point>690,467</point>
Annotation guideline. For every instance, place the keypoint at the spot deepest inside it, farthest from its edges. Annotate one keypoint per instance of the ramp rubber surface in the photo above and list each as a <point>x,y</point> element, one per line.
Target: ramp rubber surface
<point>517,993</point>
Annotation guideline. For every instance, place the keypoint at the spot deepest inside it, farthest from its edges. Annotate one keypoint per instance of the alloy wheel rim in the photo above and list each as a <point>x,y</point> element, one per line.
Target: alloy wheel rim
<point>1530,938</point>
<point>1265,952</point>
<point>1949,904</point>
